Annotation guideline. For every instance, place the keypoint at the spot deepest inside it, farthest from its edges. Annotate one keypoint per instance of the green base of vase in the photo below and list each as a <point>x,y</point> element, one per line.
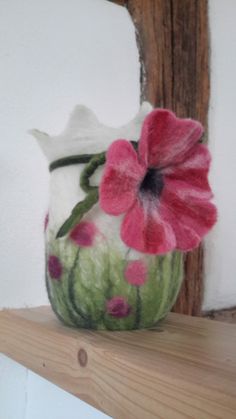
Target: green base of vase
<point>93,293</point>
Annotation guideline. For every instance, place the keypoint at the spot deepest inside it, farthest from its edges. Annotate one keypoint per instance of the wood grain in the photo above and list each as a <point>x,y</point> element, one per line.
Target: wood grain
<point>185,368</point>
<point>172,37</point>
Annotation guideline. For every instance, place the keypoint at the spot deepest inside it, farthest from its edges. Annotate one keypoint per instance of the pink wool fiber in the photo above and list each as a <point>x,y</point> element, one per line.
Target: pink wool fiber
<point>162,189</point>
<point>83,234</point>
<point>54,267</point>
<point>118,307</point>
<point>136,272</point>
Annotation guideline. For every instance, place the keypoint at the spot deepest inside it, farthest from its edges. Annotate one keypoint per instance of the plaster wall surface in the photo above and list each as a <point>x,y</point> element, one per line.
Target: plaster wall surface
<point>55,54</point>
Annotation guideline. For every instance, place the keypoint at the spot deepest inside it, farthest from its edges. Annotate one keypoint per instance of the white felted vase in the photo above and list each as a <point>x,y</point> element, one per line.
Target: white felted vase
<point>94,280</point>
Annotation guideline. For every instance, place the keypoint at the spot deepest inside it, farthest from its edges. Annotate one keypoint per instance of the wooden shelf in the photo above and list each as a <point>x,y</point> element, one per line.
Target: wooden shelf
<point>184,368</point>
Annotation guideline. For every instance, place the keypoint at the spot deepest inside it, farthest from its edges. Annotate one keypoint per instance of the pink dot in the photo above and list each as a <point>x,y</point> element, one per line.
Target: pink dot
<point>118,307</point>
<point>136,273</point>
<point>83,234</point>
<point>54,267</point>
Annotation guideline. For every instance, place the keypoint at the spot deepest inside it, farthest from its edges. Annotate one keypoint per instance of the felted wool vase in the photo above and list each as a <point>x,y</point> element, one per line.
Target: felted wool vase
<point>125,203</point>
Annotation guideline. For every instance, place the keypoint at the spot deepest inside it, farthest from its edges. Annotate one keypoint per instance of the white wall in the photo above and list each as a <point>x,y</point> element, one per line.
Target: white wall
<point>55,54</point>
<point>47,401</point>
<point>13,389</point>
<point>220,272</point>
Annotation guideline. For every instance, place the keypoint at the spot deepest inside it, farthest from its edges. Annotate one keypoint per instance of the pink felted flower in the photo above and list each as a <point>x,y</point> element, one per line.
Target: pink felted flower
<point>136,272</point>
<point>54,267</point>
<point>83,234</point>
<point>118,307</point>
<point>163,188</point>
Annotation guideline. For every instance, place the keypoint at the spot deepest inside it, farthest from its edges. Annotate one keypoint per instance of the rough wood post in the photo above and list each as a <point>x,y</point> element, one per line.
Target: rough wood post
<point>172,37</point>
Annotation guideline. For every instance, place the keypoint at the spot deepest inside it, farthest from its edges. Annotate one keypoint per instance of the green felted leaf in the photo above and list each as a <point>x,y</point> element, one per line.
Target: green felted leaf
<point>78,211</point>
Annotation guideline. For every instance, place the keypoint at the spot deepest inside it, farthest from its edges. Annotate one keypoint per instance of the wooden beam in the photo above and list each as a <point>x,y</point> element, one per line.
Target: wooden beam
<point>185,367</point>
<point>119,2</point>
<point>172,37</point>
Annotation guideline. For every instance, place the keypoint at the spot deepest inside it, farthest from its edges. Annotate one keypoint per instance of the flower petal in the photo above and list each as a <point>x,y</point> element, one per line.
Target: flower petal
<point>192,174</point>
<point>167,139</point>
<point>121,177</point>
<point>186,238</point>
<point>144,230</point>
<point>190,217</point>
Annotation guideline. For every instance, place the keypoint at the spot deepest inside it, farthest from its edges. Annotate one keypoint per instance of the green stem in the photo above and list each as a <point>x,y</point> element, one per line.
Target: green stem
<point>138,309</point>
<point>73,319</point>
<point>50,297</point>
<point>71,278</point>
<point>68,161</point>
<point>78,159</point>
<point>89,170</point>
<point>177,276</point>
<point>165,282</point>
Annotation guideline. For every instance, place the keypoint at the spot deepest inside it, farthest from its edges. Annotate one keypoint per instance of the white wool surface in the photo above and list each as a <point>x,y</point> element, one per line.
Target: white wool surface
<point>84,134</point>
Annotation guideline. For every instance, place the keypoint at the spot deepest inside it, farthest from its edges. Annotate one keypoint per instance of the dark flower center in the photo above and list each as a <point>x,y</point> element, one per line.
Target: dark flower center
<point>152,182</point>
